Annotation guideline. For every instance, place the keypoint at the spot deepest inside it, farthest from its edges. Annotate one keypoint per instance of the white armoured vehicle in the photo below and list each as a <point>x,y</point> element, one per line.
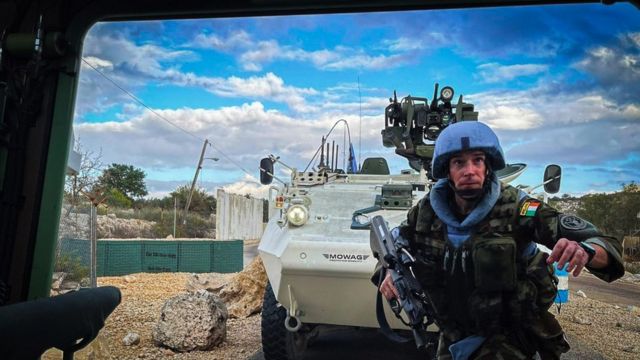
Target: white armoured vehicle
<point>316,247</point>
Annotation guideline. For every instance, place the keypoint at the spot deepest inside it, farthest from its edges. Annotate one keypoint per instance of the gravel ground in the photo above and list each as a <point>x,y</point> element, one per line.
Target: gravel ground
<point>613,331</point>
<point>142,298</point>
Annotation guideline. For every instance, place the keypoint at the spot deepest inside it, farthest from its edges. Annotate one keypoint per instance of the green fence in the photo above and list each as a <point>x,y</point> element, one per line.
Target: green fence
<point>122,257</point>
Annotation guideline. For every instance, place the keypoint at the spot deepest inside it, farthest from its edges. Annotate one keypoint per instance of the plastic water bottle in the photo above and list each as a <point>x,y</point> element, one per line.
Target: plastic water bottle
<point>563,284</point>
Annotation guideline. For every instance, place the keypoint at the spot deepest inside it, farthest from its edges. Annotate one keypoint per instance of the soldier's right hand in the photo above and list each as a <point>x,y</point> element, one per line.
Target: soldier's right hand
<point>387,288</point>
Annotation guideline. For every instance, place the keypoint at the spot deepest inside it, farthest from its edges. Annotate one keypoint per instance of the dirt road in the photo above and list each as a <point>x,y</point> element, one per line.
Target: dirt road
<point>617,293</point>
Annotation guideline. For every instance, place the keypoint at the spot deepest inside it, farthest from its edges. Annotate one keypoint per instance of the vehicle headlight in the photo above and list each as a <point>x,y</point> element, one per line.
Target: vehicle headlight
<point>297,215</point>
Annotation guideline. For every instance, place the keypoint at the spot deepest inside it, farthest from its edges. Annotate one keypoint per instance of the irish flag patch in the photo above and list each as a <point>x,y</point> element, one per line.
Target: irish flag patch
<point>529,208</point>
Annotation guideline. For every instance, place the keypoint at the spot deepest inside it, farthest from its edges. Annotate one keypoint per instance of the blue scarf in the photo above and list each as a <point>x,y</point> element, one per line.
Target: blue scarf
<point>459,232</point>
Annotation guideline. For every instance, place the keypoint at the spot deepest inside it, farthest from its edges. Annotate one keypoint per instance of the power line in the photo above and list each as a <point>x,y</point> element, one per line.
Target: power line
<point>139,101</point>
<point>136,99</point>
<point>230,159</point>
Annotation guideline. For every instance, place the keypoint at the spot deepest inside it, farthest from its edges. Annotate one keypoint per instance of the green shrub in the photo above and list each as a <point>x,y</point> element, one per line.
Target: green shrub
<point>632,267</point>
<point>197,226</point>
<point>116,198</point>
<point>72,265</point>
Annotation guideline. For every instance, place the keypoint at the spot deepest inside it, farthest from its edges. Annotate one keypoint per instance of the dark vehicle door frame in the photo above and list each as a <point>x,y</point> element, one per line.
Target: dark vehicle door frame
<point>37,93</point>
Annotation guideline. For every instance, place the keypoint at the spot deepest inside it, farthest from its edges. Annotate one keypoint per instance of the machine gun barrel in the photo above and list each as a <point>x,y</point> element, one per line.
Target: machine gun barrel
<point>397,260</point>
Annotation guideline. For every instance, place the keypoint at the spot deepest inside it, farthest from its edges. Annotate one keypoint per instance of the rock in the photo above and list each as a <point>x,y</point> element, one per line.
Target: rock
<point>85,282</point>
<point>631,308</point>
<point>131,339</point>
<point>212,282</point>
<point>57,279</point>
<point>619,324</point>
<point>129,278</point>
<point>70,285</point>
<point>243,294</point>
<point>631,349</point>
<point>616,307</point>
<point>581,293</point>
<point>582,321</point>
<point>169,237</point>
<point>193,321</point>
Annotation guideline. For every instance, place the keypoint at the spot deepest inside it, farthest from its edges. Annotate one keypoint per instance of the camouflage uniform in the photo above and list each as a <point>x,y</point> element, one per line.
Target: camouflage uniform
<point>487,287</point>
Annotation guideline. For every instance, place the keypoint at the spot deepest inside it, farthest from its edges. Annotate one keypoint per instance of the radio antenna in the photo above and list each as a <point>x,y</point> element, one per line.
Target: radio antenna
<point>360,128</point>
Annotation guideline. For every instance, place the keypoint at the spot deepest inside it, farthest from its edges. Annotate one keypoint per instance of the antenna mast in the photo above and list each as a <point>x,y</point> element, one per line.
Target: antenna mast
<point>360,127</point>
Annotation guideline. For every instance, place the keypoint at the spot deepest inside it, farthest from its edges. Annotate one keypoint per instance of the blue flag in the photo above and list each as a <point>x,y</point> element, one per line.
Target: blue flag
<point>353,163</point>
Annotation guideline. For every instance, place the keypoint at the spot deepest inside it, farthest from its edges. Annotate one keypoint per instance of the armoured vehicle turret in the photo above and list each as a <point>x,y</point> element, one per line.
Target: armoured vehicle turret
<point>316,249</point>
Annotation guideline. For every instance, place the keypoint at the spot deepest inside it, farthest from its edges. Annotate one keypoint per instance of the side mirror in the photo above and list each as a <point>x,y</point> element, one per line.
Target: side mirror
<point>266,171</point>
<point>552,176</point>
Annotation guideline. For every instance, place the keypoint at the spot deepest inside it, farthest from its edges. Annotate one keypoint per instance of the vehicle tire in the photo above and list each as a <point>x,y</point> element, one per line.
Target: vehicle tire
<point>277,342</point>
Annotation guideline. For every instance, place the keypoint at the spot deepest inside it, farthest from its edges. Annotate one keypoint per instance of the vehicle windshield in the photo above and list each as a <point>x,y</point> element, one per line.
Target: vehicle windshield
<point>173,117</point>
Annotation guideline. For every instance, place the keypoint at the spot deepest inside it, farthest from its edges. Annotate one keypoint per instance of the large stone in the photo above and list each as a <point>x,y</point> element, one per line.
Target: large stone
<point>241,292</point>
<point>212,282</point>
<point>192,321</point>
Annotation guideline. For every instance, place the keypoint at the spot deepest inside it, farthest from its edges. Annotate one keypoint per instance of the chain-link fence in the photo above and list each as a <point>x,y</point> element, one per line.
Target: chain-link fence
<point>73,256</point>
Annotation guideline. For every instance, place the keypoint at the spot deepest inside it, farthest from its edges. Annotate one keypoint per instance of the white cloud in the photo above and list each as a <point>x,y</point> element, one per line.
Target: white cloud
<point>98,63</point>
<point>494,72</point>
<point>422,42</point>
<point>545,106</point>
<point>510,117</point>
<point>253,55</point>
<point>244,134</point>
<point>144,59</point>
<point>268,87</point>
<point>616,67</point>
<point>248,186</point>
<point>237,39</point>
<point>132,66</point>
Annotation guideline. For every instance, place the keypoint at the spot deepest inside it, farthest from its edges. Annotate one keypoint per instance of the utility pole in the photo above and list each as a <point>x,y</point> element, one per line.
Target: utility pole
<point>175,211</point>
<point>193,184</point>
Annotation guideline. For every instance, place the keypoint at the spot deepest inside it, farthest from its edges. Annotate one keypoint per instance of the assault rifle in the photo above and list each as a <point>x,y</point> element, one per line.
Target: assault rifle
<point>394,256</point>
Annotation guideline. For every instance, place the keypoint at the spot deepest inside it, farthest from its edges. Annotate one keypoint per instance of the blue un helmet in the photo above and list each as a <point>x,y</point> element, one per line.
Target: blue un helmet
<point>463,136</point>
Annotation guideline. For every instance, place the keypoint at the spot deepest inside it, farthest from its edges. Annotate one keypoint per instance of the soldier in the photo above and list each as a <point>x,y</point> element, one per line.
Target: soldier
<point>475,243</point>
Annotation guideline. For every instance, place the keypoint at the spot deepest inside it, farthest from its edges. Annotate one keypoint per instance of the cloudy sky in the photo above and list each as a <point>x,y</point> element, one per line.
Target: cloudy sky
<point>559,84</point>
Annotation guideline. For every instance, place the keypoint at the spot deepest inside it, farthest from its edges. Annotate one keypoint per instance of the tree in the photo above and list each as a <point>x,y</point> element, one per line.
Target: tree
<point>616,213</point>
<point>117,199</point>
<point>201,202</point>
<point>127,179</point>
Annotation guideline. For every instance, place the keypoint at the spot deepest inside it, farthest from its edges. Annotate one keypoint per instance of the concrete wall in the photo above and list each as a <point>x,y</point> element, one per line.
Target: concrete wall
<point>238,217</point>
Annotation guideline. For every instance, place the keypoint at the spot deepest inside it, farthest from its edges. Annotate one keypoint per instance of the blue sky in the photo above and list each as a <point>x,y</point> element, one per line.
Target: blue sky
<point>559,84</point>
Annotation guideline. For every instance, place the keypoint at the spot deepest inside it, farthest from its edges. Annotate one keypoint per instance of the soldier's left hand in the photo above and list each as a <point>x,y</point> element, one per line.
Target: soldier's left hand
<point>567,251</point>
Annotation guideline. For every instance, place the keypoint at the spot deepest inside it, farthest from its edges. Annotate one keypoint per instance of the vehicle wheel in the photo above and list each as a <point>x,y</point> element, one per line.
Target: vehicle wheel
<point>277,342</point>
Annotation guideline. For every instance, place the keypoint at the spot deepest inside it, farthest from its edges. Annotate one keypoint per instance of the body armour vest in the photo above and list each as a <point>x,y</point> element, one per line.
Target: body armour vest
<point>485,286</point>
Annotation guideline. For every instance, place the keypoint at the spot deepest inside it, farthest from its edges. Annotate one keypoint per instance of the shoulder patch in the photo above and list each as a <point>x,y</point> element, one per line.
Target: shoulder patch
<point>529,208</point>
<point>571,222</point>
